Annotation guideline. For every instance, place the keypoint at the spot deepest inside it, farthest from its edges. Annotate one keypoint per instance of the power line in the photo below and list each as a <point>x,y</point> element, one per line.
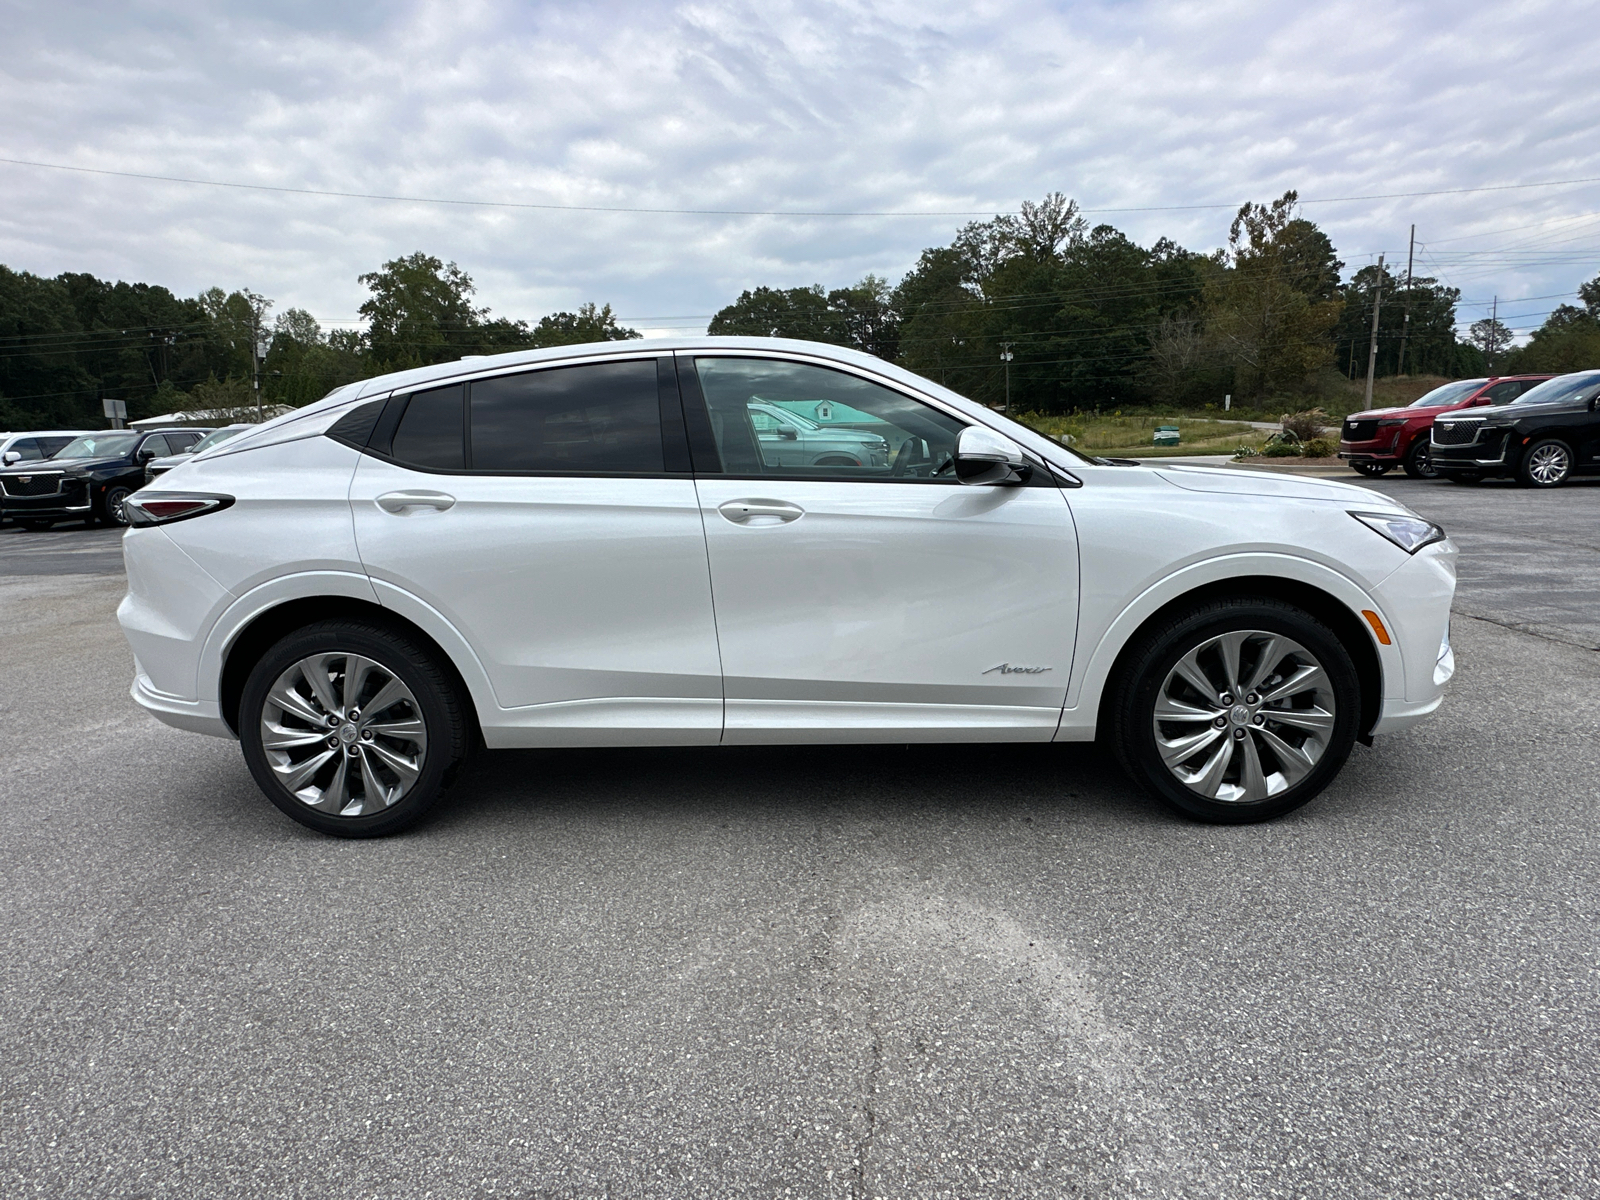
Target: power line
<point>741,212</point>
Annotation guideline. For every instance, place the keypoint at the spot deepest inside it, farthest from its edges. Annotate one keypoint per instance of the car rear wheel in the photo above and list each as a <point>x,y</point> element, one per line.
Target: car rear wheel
<point>1546,463</point>
<point>352,729</point>
<point>1418,464</point>
<point>1239,710</point>
<point>1370,469</point>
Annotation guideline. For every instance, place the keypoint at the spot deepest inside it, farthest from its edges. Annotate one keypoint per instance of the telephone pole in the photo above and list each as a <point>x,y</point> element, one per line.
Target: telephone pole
<point>1493,339</point>
<point>1405,326</point>
<point>1005,357</point>
<point>255,357</point>
<point>1372,348</point>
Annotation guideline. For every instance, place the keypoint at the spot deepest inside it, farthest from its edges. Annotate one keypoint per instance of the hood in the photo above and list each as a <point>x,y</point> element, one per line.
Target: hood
<point>64,464</point>
<point>1269,484</point>
<point>1373,414</point>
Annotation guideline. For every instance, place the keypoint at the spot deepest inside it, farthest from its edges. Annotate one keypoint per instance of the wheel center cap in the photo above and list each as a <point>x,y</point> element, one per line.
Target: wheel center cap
<point>348,733</point>
<point>1240,714</point>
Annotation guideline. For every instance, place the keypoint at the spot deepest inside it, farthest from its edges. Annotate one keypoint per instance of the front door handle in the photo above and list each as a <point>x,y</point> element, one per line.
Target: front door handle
<point>761,512</point>
<point>401,502</point>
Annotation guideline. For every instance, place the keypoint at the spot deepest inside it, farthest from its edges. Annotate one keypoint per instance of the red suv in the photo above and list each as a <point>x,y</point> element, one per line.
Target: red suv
<point>1385,437</point>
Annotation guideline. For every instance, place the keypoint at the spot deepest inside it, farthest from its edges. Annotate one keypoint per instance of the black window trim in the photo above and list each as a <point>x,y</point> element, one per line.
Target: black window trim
<point>667,390</point>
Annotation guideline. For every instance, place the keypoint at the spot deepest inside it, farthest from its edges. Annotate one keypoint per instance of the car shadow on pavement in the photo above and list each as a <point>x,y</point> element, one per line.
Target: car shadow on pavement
<point>1069,781</point>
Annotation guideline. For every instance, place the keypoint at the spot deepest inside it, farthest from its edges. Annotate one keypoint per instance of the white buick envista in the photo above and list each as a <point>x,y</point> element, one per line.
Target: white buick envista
<point>620,545</point>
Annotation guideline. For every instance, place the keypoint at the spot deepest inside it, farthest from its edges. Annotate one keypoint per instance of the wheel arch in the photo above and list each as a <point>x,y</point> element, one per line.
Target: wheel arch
<point>1346,624</point>
<point>266,627</point>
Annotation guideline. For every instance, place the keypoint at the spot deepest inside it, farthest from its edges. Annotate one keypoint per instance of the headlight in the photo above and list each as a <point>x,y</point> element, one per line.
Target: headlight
<point>1410,533</point>
<point>1397,421</point>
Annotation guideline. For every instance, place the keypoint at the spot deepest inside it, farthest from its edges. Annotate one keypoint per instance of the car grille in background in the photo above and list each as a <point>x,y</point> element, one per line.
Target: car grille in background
<point>31,485</point>
<point>1360,431</point>
<point>1456,433</point>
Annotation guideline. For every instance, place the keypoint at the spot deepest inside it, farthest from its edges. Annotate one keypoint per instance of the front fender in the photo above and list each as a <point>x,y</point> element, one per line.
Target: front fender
<point>1082,709</point>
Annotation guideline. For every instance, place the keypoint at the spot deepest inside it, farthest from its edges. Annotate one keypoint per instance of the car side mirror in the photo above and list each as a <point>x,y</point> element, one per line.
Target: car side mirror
<point>787,433</point>
<point>11,456</point>
<point>986,457</point>
<point>1482,400</point>
<point>146,454</point>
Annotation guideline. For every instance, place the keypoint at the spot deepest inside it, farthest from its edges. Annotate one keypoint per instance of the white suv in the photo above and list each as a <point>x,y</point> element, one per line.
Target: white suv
<point>591,546</point>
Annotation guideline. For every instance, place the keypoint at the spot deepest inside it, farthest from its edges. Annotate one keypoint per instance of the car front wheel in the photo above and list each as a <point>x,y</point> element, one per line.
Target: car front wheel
<point>114,507</point>
<point>352,729</point>
<point>1418,464</point>
<point>1546,463</point>
<point>1239,710</point>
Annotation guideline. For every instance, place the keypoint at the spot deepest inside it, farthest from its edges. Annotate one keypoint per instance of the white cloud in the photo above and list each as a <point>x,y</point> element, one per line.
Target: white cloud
<point>786,105</point>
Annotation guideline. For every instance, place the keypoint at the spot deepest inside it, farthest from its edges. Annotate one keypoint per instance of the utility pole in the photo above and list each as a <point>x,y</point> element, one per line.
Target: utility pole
<point>255,357</point>
<point>1372,348</point>
<point>1405,326</point>
<point>1005,357</point>
<point>1494,335</point>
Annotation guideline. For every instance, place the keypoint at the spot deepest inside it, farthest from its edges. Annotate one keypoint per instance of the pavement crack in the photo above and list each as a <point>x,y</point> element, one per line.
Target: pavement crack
<point>1542,632</point>
<point>869,1110</point>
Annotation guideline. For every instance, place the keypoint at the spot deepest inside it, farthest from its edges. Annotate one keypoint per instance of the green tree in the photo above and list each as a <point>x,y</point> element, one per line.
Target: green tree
<point>588,324</point>
<point>420,312</point>
<point>1430,346</point>
<point>1272,312</point>
<point>1569,339</point>
<point>42,381</point>
<point>1493,338</point>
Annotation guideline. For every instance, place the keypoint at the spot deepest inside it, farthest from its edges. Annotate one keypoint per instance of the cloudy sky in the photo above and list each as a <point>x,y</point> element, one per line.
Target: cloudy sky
<point>1145,111</point>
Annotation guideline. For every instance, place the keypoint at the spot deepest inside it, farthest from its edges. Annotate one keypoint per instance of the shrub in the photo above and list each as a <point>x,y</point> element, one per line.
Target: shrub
<point>1318,448</point>
<point>1305,425</point>
<point>1246,452</point>
<point>1281,449</point>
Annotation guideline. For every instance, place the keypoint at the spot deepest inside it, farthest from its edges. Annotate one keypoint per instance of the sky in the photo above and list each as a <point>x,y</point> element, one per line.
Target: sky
<point>1141,111</point>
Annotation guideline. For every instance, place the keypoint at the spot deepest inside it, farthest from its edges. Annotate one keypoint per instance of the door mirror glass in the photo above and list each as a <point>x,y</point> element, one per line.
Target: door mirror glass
<point>986,457</point>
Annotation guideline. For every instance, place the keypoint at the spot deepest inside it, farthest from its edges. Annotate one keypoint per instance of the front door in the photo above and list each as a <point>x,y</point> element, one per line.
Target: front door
<point>549,516</point>
<point>876,601</point>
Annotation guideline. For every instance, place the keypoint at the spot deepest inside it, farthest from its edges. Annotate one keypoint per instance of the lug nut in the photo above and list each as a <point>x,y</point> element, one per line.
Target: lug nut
<point>1220,722</point>
<point>1252,698</point>
<point>1261,718</point>
<point>352,751</point>
<point>355,714</point>
<point>331,720</point>
<point>1226,698</point>
<point>1238,735</point>
<point>333,743</point>
<point>366,734</point>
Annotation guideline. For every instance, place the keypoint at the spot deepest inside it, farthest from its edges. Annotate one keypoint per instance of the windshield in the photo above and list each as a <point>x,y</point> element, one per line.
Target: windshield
<point>1449,393</point>
<point>99,445</point>
<point>217,436</point>
<point>1562,387</point>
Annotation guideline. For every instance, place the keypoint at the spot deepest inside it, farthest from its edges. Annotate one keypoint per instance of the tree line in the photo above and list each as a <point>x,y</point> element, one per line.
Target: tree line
<point>1089,318</point>
<point>69,342</point>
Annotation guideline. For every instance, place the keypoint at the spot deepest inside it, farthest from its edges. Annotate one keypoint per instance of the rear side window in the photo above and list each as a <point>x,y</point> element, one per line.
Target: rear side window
<point>432,430</point>
<point>181,441</point>
<point>602,418</point>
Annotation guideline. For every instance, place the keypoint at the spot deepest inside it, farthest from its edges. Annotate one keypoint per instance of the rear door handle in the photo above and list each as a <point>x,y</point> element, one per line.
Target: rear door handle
<point>761,512</point>
<point>401,502</point>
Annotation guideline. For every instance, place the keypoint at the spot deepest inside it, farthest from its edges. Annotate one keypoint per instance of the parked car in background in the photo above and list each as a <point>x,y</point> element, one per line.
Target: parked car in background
<point>89,478</point>
<point>160,466</point>
<point>34,446</point>
<point>1373,442</point>
<point>788,439</point>
<point>1542,438</point>
<point>592,546</point>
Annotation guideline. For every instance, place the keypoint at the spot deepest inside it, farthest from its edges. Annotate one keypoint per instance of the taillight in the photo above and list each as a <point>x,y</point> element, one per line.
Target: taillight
<point>163,508</point>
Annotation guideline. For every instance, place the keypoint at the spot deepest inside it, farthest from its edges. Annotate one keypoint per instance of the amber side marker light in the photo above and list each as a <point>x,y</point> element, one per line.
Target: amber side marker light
<point>1378,630</point>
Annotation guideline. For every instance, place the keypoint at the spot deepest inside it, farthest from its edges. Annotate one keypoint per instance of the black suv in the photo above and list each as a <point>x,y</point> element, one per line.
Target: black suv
<point>89,478</point>
<point>1542,438</point>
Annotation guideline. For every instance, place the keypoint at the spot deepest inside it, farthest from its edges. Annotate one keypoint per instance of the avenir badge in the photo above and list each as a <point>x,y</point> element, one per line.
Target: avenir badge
<point>1008,669</point>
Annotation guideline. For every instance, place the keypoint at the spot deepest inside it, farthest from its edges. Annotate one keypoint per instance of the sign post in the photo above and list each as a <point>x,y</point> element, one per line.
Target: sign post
<point>116,412</point>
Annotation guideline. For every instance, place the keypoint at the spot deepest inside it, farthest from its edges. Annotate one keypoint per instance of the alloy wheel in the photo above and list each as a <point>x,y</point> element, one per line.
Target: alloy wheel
<point>1549,463</point>
<point>1244,716</point>
<point>343,734</point>
<point>116,505</point>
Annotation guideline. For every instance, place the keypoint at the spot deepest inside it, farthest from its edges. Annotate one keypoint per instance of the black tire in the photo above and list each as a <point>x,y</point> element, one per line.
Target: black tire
<point>1418,464</point>
<point>1148,664</point>
<point>36,526</point>
<point>439,701</point>
<point>1462,476</point>
<point>112,511</point>
<point>1546,463</point>
<point>1370,469</point>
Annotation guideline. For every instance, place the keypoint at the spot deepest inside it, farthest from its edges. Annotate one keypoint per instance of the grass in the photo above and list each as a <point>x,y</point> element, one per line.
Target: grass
<point>1129,436</point>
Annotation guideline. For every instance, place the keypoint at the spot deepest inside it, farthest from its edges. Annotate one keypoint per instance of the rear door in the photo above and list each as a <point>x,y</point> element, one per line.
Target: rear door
<point>875,602</point>
<point>549,515</point>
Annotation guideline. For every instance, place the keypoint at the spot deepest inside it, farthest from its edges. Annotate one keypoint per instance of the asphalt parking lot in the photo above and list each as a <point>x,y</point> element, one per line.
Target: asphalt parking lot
<point>859,972</point>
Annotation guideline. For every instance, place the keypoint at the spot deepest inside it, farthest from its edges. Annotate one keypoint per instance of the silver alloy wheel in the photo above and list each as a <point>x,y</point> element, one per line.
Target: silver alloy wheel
<point>343,734</point>
<point>1244,716</point>
<point>116,505</point>
<point>1549,463</point>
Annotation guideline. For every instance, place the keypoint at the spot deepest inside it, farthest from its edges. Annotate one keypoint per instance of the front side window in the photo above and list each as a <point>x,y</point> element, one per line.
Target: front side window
<point>785,419</point>
<point>599,418</point>
<point>26,449</point>
<point>155,446</point>
<point>1576,387</point>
